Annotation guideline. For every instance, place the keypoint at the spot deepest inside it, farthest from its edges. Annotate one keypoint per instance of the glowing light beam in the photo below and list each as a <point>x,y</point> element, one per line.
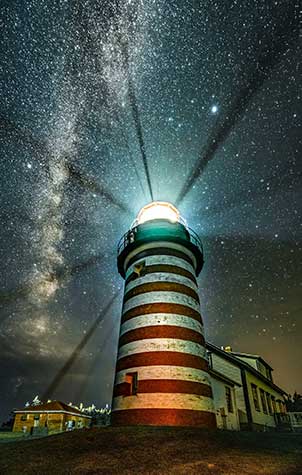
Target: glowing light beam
<point>270,54</point>
<point>91,185</point>
<point>76,352</point>
<point>136,117</point>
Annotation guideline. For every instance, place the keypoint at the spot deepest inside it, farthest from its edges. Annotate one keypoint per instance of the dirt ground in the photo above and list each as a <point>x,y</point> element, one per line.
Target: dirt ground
<point>154,450</point>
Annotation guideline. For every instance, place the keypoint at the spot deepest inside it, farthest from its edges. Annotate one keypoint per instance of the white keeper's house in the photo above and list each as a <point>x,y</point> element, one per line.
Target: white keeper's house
<point>245,395</point>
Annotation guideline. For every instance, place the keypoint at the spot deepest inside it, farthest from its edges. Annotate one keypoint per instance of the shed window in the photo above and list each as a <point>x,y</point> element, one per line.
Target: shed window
<point>263,401</point>
<point>24,417</point>
<point>37,417</point>
<point>229,401</point>
<point>255,397</point>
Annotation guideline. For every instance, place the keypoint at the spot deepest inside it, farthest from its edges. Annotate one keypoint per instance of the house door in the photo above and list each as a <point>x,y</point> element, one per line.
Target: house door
<point>223,418</point>
<point>224,422</point>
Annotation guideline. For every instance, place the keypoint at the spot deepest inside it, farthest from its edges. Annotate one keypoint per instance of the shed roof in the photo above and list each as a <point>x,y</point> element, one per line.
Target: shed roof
<point>53,406</point>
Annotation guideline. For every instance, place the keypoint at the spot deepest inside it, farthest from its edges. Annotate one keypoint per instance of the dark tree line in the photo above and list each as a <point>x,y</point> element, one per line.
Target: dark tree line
<point>294,403</point>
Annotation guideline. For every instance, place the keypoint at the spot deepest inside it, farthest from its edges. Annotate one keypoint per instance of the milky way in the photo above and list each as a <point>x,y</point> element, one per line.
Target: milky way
<point>103,103</point>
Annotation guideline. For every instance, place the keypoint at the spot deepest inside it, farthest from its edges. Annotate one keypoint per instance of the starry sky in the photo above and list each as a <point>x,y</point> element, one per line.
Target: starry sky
<point>200,96</point>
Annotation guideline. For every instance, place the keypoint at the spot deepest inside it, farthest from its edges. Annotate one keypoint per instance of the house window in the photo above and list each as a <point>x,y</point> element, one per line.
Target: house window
<point>274,404</point>
<point>132,382</point>
<point>261,368</point>
<point>210,359</point>
<point>281,406</point>
<point>228,396</point>
<point>24,417</point>
<point>269,374</point>
<point>263,401</point>
<point>269,403</point>
<point>255,397</point>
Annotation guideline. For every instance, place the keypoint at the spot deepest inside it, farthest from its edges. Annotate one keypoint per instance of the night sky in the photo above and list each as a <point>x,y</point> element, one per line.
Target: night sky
<point>217,92</point>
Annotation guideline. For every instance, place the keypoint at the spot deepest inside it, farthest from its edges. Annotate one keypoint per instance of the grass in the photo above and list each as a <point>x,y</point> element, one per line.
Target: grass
<point>12,436</point>
<point>155,450</point>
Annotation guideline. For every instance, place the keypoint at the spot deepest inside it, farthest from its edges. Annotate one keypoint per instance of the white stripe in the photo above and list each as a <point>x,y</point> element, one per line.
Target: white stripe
<point>161,297</point>
<point>161,277</point>
<point>163,260</point>
<point>165,372</point>
<point>164,401</point>
<point>153,319</point>
<point>162,344</point>
<point>162,244</point>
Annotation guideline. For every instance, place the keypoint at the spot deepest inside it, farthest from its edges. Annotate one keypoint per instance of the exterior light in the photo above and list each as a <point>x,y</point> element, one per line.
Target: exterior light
<point>158,210</point>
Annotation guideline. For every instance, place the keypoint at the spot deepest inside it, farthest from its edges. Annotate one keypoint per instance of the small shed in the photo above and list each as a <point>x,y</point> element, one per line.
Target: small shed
<point>54,416</point>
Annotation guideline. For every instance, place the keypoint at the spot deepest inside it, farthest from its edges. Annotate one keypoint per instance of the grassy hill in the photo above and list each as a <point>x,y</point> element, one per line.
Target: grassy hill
<point>154,450</point>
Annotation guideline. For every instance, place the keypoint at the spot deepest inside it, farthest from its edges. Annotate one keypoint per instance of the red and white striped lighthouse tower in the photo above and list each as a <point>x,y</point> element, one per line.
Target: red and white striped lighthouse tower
<point>162,369</point>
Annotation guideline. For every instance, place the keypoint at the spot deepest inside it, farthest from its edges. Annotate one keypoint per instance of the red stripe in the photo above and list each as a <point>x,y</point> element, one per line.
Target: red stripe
<point>176,308</point>
<point>161,287</point>
<point>165,386</point>
<point>161,331</point>
<point>164,417</point>
<point>162,358</point>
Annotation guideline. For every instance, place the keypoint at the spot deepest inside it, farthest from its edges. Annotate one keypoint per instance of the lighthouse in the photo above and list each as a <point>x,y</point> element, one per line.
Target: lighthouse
<point>162,369</point>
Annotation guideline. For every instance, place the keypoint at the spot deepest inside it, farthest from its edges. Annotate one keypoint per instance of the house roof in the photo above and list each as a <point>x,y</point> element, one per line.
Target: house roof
<point>242,364</point>
<point>252,357</point>
<point>53,406</point>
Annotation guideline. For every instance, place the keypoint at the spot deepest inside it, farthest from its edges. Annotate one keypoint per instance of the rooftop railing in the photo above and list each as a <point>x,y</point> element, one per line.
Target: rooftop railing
<point>131,236</point>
